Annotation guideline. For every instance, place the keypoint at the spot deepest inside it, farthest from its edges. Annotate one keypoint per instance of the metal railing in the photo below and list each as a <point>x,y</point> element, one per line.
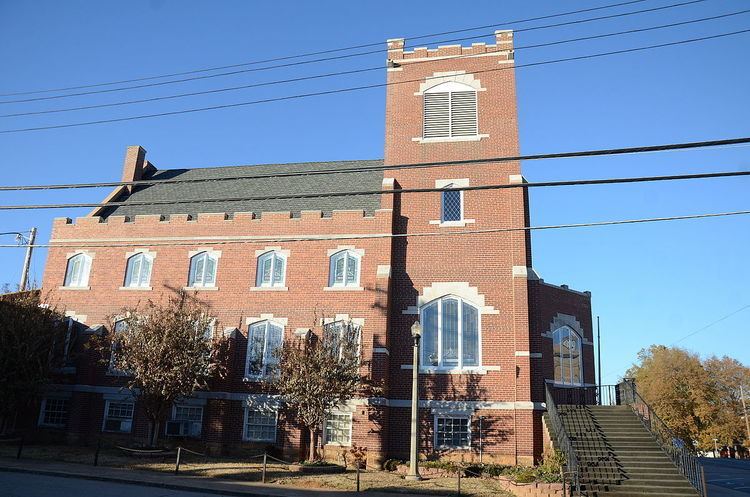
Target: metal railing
<point>594,395</point>
<point>678,451</point>
<point>563,442</point>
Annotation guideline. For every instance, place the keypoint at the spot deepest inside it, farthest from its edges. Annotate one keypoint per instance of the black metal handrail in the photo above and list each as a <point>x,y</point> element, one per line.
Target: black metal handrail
<point>563,441</point>
<point>591,395</point>
<point>678,451</point>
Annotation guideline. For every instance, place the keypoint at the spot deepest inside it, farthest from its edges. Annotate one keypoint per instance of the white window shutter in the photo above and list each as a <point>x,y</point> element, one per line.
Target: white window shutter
<point>463,113</point>
<point>436,115</point>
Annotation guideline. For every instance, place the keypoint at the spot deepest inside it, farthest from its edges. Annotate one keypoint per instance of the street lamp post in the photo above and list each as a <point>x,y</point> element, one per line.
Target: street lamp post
<point>416,333</point>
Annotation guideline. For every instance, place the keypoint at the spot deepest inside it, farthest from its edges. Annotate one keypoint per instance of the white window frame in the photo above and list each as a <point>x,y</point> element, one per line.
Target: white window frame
<point>43,408</point>
<point>346,322</point>
<point>442,205</point>
<point>275,256</point>
<point>84,273</point>
<point>427,365</point>
<point>326,441</point>
<point>570,331</point>
<point>129,280</point>
<point>449,88</point>
<point>267,323</point>
<point>173,417</point>
<point>245,435</point>
<point>467,417</point>
<point>105,417</point>
<point>345,253</point>
<point>206,254</point>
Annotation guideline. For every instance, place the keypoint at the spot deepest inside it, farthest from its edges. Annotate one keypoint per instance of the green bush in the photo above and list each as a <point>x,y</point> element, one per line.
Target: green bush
<point>392,464</point>
<point>445,465</point>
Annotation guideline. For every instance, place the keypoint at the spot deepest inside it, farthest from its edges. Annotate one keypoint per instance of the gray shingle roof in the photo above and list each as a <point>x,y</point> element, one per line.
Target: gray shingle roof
<point>320,183</point>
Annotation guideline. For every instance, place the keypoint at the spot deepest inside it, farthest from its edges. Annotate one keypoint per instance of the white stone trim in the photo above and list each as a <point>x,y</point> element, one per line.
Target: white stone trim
<point>269,289</point>
<point>342,317</point>
<point>352,248</point>
<point>82,251</point>
<point>526,353</point>
<point>383,271</point>
<point>439,78</point>
<point>464,56</point>
<point>136,288</point>
<point>381,350</point>
<point>143,251</point>
<point>525,272</point>
<point>301,332</point>
<point>479,370</point>
<point>452,224</point>
<point>458,183</point>
<point>278,249</point>
<point>561,320</point>
<point>473,138</point>
<point>81,318</point>
<point>200,288</point>
<point>214,253</point>
<point>516,179</point>
<point>389,183</point>
<point>459,289</point>
<point>266,317</point>
<point>74,288</point>
<point>324,237</point>
<point>343,288</point>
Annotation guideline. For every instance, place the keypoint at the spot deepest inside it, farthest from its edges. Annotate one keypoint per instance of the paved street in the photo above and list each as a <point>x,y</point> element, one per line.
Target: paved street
<point>30,485</point>
<point>727,477</point>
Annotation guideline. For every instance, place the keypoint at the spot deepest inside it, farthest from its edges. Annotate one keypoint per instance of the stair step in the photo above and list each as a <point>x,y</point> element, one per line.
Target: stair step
<point>631,493</point>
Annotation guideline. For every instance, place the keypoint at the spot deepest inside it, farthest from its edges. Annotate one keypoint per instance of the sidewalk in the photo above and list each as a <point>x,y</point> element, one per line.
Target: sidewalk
<point>173,482</point>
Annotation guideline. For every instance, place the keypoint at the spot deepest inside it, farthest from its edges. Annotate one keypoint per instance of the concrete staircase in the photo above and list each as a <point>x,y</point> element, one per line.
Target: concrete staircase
<point>617,456</point>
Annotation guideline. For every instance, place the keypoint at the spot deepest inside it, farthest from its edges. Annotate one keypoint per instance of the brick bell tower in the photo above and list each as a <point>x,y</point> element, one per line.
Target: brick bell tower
<point>470,291</point>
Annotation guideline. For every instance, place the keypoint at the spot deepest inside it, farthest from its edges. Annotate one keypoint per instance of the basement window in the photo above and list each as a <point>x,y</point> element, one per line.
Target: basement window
<point>260,425</point>
<point>54,412</point>
<point>452,432</point>
<point>118,417</point>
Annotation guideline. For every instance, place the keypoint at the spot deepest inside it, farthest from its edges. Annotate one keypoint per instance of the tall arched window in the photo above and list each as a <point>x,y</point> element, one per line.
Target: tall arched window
<point>271,270</point>
<point>344,269</point>
<point>450,334</point>
<point>202,270</point>
<point>138,271</point>
<point>263,340</point>
<point>566,347</point>
<point>77,271</point>
<point>450,110</point>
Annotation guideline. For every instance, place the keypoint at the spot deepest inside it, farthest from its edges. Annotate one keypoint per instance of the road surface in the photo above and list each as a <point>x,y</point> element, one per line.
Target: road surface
<point>727,477</point>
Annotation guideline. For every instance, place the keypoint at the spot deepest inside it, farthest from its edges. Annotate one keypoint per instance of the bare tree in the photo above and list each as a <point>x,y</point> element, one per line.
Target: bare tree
<point>165,352</point>
<point>32,338</point>
<point>317,374</point>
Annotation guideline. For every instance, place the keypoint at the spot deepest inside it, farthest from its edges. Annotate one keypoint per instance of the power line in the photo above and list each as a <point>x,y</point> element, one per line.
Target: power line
<point>416,165</point>
<point>361,70</point>
<point>320,52</point>
<point>366,87</point>
<point>338,57</point>
<point>605,181</point>
<point>294,238</point>
<point>711,324</point>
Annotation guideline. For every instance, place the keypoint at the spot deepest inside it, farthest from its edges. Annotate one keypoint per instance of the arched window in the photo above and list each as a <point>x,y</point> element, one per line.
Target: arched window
<point>450,334</point>
<point>566,347</point>
<point>271,270</point>
<point>343,338</point>
<point>263,340</point>
<point>138,271</point>
<point>77,271</point>
<point>344,269</point>
<point>202,270</point>
<point>450,110</point>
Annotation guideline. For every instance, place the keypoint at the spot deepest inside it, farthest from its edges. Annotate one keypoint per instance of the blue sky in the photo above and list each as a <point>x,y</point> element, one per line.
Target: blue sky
<point>651,283</point>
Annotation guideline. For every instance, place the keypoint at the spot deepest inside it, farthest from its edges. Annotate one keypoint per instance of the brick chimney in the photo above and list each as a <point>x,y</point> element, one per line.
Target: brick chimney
<point>134,165</point>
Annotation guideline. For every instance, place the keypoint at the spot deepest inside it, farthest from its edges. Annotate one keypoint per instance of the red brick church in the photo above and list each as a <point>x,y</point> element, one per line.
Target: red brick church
<point>493,331</point>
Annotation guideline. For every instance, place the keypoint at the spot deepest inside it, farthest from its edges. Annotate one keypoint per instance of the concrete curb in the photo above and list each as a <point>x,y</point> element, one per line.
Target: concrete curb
<point>143,483</point>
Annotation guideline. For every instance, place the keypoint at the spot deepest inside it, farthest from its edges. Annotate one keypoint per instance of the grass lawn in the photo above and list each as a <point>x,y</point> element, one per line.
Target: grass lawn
<point>250,470</point>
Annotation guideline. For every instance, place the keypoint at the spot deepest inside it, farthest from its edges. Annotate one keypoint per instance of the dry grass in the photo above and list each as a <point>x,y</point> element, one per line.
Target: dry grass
<point>250,470</point>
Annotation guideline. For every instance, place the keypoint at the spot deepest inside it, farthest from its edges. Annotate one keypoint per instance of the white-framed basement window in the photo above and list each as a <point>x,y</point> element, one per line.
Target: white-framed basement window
<point>451,334</point>
<point>338,428</point>
<point>566,350</point>
<point>138,271</point>
<point>264,339</point>
<point>203,270</point>
<point>452,431</point>
<point>450,111</point>
<point>118,416</point>
<point>271,270</point>
<point>260,425</point>
<point>345,268</point>
<point>187,421</point>
<point>77,271</point>
<point>54,412</point>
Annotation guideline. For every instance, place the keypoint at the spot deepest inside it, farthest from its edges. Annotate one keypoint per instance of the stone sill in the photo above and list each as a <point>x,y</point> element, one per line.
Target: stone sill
<point>79,288</point>
<point>343,289</point>
<point>474,138</point>
<point>200,288</point>
<point>471,370</point>
<point>269,289</point>
<point>136,288</point>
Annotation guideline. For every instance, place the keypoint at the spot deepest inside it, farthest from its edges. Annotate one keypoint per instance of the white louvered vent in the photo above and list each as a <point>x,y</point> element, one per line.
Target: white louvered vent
<point>450,114</point>
<point>436,115</point>
<point>463,113</point>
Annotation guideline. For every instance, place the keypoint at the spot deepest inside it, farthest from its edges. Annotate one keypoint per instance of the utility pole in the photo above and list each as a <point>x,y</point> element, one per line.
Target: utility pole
<point>744,411</point>
<point>27,261</point>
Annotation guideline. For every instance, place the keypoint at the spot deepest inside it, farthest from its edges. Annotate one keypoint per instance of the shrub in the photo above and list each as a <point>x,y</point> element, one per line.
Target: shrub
<point>445,465</point>
<point>392,464</point>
